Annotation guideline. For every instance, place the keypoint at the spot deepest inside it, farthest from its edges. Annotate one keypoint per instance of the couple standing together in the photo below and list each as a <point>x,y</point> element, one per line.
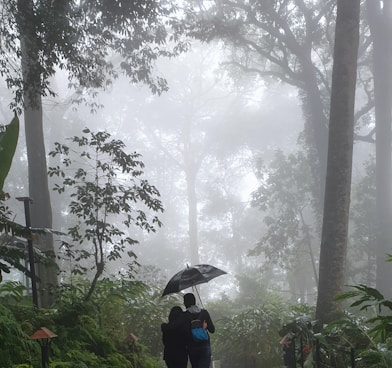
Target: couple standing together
<point>177,336</point>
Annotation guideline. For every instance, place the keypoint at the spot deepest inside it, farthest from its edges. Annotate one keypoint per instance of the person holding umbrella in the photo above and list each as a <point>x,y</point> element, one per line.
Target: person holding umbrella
<point>199,352</point>
<point>191,276</point>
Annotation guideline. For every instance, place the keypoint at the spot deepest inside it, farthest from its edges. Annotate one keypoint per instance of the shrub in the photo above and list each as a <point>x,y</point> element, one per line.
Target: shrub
<point>15,345</point>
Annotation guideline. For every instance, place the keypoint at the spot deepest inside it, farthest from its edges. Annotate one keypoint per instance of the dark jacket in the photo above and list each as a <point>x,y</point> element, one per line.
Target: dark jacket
<point>174,337</point>
<point>193,313</point>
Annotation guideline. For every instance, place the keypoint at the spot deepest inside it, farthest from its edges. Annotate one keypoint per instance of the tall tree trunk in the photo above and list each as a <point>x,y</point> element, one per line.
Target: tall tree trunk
<point>192,217</point>
<point>339,165</point>
<point>191,168</point>
<point>380,22</point>
<point>41,212</point>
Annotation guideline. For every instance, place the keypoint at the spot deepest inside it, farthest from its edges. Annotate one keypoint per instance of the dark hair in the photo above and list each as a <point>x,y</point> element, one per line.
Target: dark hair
<point>189,300</point>
<point>175,312</point>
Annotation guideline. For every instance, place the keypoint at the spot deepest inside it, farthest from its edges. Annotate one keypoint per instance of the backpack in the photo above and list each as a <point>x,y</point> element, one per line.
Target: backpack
<point>199,333</point>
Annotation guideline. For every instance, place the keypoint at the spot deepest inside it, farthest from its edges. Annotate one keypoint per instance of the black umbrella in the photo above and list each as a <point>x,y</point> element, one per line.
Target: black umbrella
<point>191,276</point>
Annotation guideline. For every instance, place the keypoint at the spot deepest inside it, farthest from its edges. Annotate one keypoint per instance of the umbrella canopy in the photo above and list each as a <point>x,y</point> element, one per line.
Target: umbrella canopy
<point>191,276</point>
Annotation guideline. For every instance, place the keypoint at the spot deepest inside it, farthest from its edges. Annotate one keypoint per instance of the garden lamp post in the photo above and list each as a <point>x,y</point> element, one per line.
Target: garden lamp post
<point>43,336</point>
<point>27,201</point>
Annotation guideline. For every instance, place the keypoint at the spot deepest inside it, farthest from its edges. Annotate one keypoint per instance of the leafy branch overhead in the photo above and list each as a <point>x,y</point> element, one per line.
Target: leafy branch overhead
<point>8,142</point>
<point>81,37</point>
<point>13,245</point>
<point>108,194</point>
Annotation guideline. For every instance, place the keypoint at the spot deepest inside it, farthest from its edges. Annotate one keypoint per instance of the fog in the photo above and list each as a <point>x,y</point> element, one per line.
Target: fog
<point>224,127</point>
<point>196,132</point>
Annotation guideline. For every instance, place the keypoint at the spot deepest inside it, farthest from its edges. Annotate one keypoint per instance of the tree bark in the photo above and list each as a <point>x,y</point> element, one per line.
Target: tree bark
<point>339,164</point>
<point>41,212</point>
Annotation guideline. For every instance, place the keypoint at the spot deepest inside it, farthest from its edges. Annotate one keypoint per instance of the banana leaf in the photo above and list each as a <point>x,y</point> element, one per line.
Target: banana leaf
<point>8,142</point>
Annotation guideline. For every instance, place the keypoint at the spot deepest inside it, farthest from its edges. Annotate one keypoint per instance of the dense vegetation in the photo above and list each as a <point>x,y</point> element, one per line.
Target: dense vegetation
<point>98,333</point>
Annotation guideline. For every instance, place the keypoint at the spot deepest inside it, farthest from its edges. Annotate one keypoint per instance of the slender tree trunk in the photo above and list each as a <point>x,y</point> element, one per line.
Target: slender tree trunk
<point>308,242</point>
<point>193,225</point>
<point>191,173</point>
<point>380,22</point>
<point>339,164</point>
<point>41,212</point>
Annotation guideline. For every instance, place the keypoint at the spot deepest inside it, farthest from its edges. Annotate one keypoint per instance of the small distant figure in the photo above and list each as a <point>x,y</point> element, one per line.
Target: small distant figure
<point>174,337</point>
<point>199,351</point>
<point>131,342</point>
<point>288,344</point>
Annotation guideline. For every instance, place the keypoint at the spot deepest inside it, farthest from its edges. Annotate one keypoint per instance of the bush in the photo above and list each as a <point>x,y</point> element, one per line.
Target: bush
<point>60,365</point>
<point>15,345</point>
<point>88,333</point>
<point>251,338</point>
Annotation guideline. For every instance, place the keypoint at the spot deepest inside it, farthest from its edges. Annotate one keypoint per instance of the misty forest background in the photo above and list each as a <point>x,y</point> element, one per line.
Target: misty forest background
<point>155,135</point>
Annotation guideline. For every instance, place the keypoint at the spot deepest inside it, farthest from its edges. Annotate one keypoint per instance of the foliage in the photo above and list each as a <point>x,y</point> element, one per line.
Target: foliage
<point>287,41</point>
<point>104,323</point>
<point>267,35</point>
<point>95,333</point>
<point>361,255</point>
<point>10,254</point>
<point>118,307</point>
<point>252,289</point>
<point>135,31</point>
<point>251,338</point>
<point>106,188</point>
<point>15,346</point>
<point>90,334</point>
<point>369,298</point>
<point>334,346</point>
<point>12,290</point>
<point>369,334</point>
<point>8,141</point>
<point>12,248</point>
<point>285,194</point>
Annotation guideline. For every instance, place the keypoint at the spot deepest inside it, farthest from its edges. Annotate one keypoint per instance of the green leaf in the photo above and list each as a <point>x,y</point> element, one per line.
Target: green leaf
<point>8,142</point>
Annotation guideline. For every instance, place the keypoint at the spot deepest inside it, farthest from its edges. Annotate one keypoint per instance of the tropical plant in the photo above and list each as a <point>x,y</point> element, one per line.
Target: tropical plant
<point>10,251</point>
<point>8,141</point>
<point>92,334</point>
<point>12,290</point>
<point>106,187</point>
<point>370,333</point>
<point>368,298</point>
<point>15,346</point>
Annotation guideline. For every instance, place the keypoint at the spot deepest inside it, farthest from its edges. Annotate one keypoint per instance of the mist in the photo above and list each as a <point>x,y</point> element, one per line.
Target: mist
<point>230,126</point>
<point>237,147</point>
<point>224,126</point>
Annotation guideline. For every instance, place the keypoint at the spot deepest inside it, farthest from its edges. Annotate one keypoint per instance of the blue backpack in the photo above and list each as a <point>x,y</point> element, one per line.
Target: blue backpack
<point>199,333</point>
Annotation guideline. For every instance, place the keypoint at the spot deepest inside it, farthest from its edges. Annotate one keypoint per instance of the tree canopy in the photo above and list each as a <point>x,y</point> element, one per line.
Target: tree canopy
<point>84,38</point>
